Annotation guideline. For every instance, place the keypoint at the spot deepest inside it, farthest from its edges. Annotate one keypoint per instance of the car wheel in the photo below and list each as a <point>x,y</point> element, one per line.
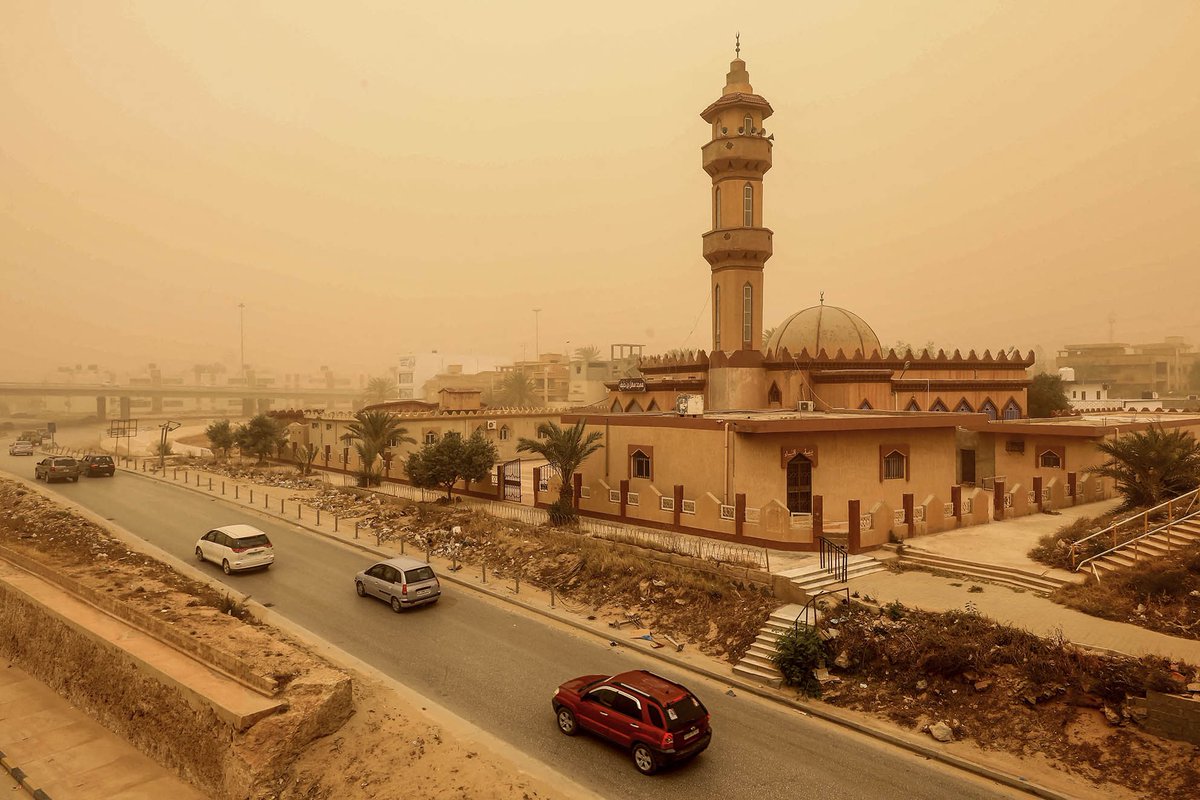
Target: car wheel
<point>566,721</point>
<point>358,587</point>
<point>396,605</point>
<point>225,567</point>
<point>200,554</point>
<point>644,760</point>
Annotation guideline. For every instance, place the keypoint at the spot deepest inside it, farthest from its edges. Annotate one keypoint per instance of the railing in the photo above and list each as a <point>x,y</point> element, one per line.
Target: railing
<point>1166,526</point>
<point>835,559</point>
<point>1172,508</point>
<point>811,613</point>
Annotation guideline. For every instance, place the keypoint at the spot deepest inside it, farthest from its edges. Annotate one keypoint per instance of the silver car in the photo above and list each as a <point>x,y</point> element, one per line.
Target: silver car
<point>236,547</point>
<point>403,582</point>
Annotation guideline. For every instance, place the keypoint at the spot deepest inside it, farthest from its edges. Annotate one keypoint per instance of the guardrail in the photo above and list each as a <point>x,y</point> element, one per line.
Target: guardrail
<point>1176,509</point>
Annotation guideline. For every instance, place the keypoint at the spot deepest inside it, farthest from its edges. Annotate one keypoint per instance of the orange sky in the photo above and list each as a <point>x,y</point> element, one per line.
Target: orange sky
<point>372,179</point>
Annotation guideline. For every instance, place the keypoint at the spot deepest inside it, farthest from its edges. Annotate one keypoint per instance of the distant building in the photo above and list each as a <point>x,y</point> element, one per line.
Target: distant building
<point>414,371</point>
<point>1133,371</point>
<point>1095,396</point>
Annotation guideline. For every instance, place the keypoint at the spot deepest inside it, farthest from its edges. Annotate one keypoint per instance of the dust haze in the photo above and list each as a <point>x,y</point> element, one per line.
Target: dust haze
<point>372,179</point>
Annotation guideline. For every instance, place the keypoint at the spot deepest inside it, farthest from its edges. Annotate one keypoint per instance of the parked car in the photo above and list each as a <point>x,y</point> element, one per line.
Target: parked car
<point>20,448</point>
<point>94,466</point>
<point>657,720</point>
<point>403,582</point>
<point>55,468</point>
<point>236,548</point>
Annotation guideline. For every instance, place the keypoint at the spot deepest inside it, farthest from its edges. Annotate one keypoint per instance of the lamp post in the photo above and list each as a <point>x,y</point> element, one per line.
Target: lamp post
<point>536,349</point>
<point>242,336</point>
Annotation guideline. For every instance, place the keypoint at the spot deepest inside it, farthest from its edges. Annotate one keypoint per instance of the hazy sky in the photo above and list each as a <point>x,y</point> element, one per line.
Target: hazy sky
<point>374,178</point>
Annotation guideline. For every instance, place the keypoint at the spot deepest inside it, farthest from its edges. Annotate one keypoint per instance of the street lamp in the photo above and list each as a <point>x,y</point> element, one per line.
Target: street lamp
<point>536,350</point>
<point>242,336</point>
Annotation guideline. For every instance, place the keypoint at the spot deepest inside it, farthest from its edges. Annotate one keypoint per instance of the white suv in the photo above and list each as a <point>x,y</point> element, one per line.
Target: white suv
<point>236,547</point>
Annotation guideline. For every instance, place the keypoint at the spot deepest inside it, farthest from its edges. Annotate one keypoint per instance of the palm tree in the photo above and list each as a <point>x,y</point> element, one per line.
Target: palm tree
<point>376,431</point>
<point>565,449</point>
<point>516,389</point>
<point>380,390</point>
<point>588,354</point>
<point>1151,466</point>
<point>767,334</point>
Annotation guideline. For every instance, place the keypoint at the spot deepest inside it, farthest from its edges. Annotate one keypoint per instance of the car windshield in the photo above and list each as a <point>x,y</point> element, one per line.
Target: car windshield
<point>419,574</point>
<point>257,540</point>
<point>64,462</point>
<point>682,713</point>
<point>101,460</point>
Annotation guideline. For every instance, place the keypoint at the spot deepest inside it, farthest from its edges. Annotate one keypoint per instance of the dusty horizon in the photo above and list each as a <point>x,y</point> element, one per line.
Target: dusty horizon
<point>375,180</point>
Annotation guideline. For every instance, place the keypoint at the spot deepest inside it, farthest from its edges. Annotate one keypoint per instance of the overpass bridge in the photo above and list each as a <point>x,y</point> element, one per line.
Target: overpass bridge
<point>254,399</point>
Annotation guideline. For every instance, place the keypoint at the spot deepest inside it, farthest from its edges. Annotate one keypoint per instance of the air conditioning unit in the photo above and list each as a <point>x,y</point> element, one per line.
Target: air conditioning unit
<point>491,424</point>
<point>806,405</point>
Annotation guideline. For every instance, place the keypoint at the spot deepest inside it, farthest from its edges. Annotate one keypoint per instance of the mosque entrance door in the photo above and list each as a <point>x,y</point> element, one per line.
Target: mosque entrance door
<point>799,485</point>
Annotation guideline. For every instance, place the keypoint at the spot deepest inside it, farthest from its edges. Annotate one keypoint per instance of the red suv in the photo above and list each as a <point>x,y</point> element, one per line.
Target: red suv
<point>659,721</point>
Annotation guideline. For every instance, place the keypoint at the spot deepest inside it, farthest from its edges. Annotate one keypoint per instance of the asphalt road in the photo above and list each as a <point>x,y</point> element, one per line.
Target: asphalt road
<point>498,668</point>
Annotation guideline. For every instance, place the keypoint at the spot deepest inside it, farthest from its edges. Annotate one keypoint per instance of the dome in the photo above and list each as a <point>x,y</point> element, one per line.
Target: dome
<point>825,327</point>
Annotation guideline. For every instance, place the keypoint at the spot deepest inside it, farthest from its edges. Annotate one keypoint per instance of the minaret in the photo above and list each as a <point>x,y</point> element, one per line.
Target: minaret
<point>738,245</point>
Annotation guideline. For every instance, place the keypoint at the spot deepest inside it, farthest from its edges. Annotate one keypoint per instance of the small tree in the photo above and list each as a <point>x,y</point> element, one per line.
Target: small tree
<point>516,389</point>
<point>380,390</point>
<point>588,353</point>
<point>221,436</point>
<point>1151,466</point>
<point>304,456</point>
<point>797,653</point>
<point>259,437</point>
<point>565,449</point>
<point>1047,395</point>
<point>449,460</point>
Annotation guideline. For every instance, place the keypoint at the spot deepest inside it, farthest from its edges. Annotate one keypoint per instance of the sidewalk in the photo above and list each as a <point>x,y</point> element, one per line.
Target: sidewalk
<point>68,755</point>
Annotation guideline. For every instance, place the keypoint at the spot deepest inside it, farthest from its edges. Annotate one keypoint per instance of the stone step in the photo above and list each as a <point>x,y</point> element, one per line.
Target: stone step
<point>774,678</point>
<point>814,568</point>
<point>823,578</point>
<point>1010,576</point>
<point>758,662</point>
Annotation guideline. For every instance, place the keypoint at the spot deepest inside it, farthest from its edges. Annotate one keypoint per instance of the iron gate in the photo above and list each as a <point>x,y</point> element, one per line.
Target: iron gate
<point>512,480</point>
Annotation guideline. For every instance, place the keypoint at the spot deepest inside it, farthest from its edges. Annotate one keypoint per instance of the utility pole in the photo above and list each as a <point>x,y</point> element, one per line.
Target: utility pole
<point>242,336</point>
<point>537,353</point>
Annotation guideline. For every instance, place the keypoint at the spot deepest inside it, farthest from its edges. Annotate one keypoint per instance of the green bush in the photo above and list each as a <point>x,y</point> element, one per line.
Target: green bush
<point>797,653</point>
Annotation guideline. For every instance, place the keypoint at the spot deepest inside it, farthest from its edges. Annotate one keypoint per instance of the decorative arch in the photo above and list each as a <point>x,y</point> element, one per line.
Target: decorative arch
<point>865,405</point>
<point>1050,459</point>
<point>653,406</point>
<point>747,124</point>
<point>913,405</point>
<point>989,408</point>
<point>633,407</point>
<point>1012,409</point>
<point>938,405</point>
<point>616,407</point>
<point>748,205</point>
<point>747,313</point>
<point>774,396</point>
<point>716,208</point>
<point>964,407</point>
<point>640,465</point>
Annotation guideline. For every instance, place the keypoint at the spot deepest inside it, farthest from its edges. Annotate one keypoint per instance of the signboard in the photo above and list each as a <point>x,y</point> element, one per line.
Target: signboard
<point>787,453</point>
<point>631,385</point>
<point>118,428</point>
<point>689,404</point>
<point>52,427</point>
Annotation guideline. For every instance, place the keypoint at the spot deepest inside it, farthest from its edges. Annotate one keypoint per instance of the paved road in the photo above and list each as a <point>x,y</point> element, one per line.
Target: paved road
<point>498,668</point>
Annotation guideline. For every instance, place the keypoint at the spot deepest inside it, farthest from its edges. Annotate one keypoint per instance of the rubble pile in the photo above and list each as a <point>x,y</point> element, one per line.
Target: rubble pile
<point>958,675</point>
<point>280,477</point>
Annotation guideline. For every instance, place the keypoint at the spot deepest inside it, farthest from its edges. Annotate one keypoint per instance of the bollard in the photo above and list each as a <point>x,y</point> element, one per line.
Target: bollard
<point>426,552</point>
<point>335,523</point>
<point>210,484</point>
<point>174,473</point>
<point>401,545</point>
<point>767,554</point>
<point>251,495</point>
<point>517,581</point>
<point>266,500</point>
<point>356,529</point>
<point>185,478</point>
<point>281,506</point>
<point>484,564</point>
<point>318,517</point>
<point>299,508</point>
<point>552,597</point>
<point>222,487</point>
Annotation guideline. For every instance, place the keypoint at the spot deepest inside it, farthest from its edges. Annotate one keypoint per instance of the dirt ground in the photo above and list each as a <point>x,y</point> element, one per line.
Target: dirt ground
<point>1007,690</point>
<point>386,746</point>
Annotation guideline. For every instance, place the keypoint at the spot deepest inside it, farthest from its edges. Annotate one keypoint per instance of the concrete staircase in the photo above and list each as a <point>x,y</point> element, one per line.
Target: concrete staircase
<point>756,664</point>
<point>1179,535</point>
<point>1009,576</point>
<point>812,578</point>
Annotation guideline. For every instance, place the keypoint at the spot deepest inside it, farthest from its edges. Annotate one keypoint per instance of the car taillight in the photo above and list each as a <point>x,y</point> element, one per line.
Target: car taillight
<point>404,589</point>
<point>668,740</point>
<point>239,549</point>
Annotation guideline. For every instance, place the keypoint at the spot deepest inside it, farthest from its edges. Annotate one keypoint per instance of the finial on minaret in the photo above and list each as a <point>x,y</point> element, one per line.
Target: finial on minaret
<point>822,298</point>
<point>737,44</point>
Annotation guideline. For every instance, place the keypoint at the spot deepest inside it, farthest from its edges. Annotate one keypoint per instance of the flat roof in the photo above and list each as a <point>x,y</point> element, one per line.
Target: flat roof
<point>786,420</point>
<point>1093,423</point>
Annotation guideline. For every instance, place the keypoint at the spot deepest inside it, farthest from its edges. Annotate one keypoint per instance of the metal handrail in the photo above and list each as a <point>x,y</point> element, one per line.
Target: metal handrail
<point>1165,526</point>
<point>1167,504</point>
<point>812,604</point>
<point>834,559</point>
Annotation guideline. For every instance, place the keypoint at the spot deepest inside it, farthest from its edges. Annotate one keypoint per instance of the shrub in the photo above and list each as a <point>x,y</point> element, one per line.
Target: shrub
<point>797,653</point>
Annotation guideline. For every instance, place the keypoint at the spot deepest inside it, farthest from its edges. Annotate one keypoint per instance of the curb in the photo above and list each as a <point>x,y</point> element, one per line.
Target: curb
<point>820,712</point>
<point>20,777</point>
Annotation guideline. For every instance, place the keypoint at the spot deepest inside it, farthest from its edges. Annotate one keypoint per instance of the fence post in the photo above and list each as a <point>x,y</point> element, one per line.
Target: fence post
<point>767,555</point>
<point>174,473</point>
<point>318,517</point>
<point>210,484</point>
<point>552,597</point>
<point>517,580</point>
<point>266,500</point>
<point>222,487</point>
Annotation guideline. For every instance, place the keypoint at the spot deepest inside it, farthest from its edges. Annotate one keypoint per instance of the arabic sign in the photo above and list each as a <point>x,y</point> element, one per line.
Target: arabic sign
<point>631,385</point>
<point>786,454</point>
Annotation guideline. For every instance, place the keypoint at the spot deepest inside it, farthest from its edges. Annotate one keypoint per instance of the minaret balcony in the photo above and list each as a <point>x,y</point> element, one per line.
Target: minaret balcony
<point>737,154</point>
<point>737,245</point>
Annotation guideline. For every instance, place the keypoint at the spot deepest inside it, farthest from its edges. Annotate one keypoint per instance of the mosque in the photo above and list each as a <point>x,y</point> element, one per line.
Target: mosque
<point>821,432</point>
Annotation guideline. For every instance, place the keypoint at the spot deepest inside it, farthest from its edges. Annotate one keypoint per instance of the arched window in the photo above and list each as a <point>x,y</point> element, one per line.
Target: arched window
<point>1050,459</point>
<point>964,407</point>
<point>913,405</point>
<point>747,314</point>
<point>716,317</point>
<point>747,124</point>
<point>639,466</point>
<point>653,405</point>
<point>990,409</point>
<point>865,405</point>
<point>616,407</point>
<point>774,396</point>
<point>938,405</point>
<point>431,437</point>
<point>1012,410</point>
<point>717,208</point>
<point>634,407</point>
<point>503,433</point>
<point>748,206</point>
<point>895,466</point>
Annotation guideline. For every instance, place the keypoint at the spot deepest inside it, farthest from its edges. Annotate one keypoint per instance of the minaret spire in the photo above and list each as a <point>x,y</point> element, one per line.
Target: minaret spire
<point>737,44</point>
